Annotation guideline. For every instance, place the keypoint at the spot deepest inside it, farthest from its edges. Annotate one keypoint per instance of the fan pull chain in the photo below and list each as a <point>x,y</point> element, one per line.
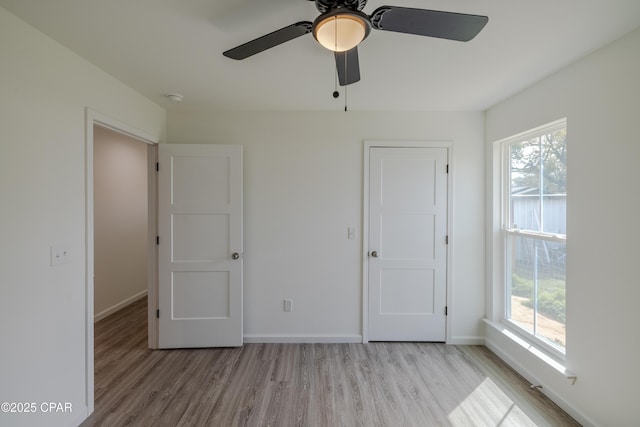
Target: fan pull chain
<point>336,94</point>
<point>345,62</point>
<point>346,77</point>
<point>345,98</point>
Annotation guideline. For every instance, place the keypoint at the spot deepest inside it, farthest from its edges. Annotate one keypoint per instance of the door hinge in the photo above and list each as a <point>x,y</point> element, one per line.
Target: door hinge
<point>447,168</point>
<point>157,240</point>
<point>446,310</point>
<point>446,240</point>
<point>157,314</point>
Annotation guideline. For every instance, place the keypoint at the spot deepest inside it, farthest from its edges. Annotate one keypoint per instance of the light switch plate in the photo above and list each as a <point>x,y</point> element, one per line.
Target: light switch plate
<point>351,233</point>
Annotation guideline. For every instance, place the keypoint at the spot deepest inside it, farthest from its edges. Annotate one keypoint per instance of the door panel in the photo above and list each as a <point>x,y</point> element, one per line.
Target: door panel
<point>200,295</point>
<point>407,231</point>
<point>398,232</point>
<point>200,227</point>
<point>406,291</point>
<point>200,238</point>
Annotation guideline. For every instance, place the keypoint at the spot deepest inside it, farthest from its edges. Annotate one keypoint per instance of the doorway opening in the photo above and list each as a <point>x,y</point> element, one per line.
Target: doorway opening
<point>120,202</point>
<point>100,125</point>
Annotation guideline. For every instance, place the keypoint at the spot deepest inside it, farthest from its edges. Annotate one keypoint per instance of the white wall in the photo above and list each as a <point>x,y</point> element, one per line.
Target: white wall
<point>45,89</point>
<point>600,96</point>
<point>303,188</point>
<point>120,220</point>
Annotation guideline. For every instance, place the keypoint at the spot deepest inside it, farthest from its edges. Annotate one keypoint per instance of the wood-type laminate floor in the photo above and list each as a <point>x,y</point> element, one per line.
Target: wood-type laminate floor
<point>376,384</point>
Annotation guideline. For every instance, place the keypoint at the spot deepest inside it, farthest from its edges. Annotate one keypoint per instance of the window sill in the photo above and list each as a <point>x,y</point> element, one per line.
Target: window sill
<point>532,349</point>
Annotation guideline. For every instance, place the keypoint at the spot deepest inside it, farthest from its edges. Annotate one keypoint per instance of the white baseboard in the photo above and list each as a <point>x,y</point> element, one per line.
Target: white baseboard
<point>118,306</point>
<point>466,341</point>
<point>307,339</point>
<point>335,339</point>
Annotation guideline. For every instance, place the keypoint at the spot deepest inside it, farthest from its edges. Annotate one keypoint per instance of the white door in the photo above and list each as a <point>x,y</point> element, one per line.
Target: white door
<point>200,252</point>
<point>407,261</point>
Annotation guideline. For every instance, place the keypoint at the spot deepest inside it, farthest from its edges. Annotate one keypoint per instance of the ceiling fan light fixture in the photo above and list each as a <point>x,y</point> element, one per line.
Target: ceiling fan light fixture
<point>341,29</point>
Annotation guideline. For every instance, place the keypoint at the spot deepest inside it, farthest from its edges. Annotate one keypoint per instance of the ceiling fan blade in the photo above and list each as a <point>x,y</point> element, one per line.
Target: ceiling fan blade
<point>431,23</point>
<point>270,40</point>
<point>348,66</point>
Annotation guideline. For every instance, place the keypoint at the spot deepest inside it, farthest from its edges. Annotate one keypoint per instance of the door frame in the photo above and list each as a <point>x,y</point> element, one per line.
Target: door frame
<point>92,118</point>
<point>367,146</point>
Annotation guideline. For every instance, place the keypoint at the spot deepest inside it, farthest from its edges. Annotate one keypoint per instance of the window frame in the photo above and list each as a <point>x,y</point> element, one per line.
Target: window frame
<point>507,231</point>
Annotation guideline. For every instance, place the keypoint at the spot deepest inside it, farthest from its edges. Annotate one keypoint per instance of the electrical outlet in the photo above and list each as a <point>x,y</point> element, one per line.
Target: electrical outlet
<point>288,304</point>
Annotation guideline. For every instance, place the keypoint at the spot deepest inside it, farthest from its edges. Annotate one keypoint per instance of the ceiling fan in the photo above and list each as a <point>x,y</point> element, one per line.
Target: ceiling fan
<point>342,25</point>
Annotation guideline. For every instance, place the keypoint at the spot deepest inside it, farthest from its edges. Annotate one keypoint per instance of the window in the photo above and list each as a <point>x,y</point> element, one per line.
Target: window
<point>534,230</point>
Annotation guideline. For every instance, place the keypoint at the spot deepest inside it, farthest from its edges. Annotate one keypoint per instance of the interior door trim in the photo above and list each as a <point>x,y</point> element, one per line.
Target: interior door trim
<point>367,146</point>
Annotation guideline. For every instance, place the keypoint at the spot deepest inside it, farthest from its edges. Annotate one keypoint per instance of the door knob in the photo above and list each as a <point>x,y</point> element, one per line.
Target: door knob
<point>235,255</point>
<point>374,254</point>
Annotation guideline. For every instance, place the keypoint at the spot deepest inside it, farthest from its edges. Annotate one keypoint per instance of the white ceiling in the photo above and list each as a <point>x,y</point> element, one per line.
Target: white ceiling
<point>161,46</point>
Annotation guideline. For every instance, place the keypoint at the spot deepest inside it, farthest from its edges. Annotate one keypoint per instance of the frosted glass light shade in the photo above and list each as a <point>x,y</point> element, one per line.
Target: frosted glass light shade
<point>340,32</point>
